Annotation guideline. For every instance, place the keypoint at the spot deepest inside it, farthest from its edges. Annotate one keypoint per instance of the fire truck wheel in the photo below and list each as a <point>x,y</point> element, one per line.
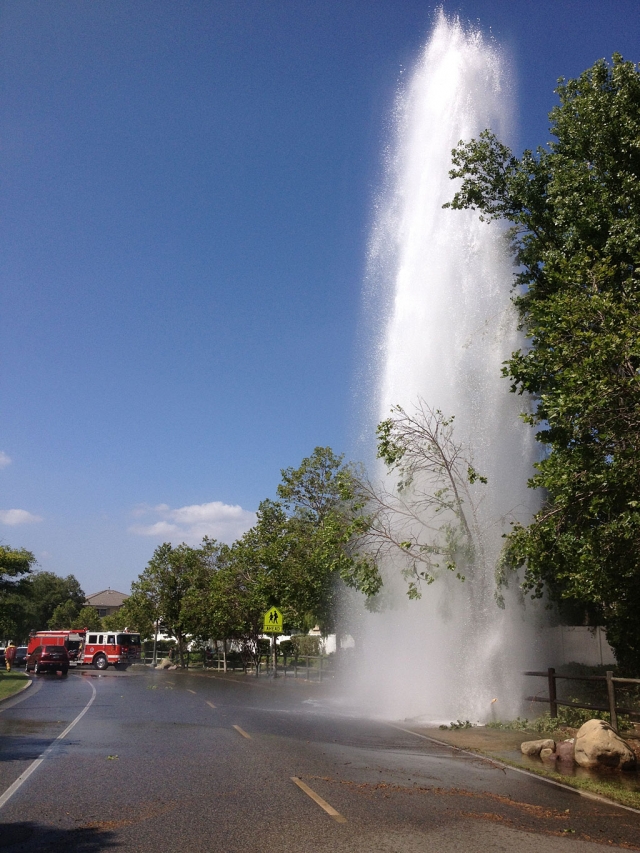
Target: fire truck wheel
<point>101,662</point>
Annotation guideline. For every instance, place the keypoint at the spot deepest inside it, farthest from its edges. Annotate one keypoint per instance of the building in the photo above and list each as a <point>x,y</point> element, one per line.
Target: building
<point>106,602</point>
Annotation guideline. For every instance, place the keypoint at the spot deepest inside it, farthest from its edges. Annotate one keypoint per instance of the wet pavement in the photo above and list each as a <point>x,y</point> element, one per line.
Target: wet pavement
<point>195,762</point>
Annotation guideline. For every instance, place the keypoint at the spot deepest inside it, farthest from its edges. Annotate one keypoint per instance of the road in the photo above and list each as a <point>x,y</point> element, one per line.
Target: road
<point>173,761</point>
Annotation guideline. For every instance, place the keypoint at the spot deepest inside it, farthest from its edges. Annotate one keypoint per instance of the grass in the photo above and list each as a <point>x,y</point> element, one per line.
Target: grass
<point>11,682</point>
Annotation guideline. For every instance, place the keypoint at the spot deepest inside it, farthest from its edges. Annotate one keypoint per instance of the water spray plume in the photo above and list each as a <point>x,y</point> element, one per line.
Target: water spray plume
<point>444,280</point>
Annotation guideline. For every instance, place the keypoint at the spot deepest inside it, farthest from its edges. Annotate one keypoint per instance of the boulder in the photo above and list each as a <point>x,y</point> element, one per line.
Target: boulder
<point>548,753</point>
<point>534,747</point>
<point>564,750</point>
<point>165,663</point>
<point>597,745</point>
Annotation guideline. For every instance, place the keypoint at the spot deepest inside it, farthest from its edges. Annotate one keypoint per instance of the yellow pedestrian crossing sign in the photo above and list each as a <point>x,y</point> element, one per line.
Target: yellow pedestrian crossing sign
<point>273,621</point>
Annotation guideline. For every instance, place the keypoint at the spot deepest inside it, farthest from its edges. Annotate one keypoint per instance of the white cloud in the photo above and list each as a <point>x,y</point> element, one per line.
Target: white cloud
<point>4,459</point>
<point>17,516</point>
<point>190,524</point>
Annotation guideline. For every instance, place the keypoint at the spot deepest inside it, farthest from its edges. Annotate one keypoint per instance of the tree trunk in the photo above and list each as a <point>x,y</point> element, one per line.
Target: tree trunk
<point>179,638</point>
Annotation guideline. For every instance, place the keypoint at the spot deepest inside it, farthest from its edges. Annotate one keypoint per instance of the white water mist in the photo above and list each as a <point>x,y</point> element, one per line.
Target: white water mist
<point>444,279</point>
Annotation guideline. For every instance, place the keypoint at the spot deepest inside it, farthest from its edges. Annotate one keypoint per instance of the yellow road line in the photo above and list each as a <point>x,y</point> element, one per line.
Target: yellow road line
<point>210,704</point>
<point>191,691</point>
<point>242,732</point>
<point>318,799</point>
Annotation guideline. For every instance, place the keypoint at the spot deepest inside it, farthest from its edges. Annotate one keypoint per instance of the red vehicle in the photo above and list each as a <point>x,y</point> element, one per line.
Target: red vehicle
<point>102,648</point>
<point>48,659</point>
<point>93,648</point>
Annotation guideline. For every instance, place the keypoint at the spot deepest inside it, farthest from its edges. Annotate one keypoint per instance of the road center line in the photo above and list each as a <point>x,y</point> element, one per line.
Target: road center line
<point>191,691</point>
<point>318,799</point>
<point>211,705</point>
<point>242,732</point>
<point>11,790</point>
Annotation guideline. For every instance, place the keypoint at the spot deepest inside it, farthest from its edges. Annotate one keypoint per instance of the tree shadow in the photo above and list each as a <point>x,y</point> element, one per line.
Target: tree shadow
<point>27,836</point>
<point>23,749</point>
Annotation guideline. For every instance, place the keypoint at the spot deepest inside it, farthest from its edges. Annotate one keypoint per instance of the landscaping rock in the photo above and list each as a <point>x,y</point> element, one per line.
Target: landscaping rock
<point>165,663</point>
<point>597,745</point>
<point>564,750</point>
<point>548,753</point>
<point>534,747</point>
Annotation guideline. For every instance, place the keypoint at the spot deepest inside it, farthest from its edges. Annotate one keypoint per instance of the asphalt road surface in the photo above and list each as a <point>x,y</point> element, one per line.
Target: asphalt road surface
<point>171,762</point>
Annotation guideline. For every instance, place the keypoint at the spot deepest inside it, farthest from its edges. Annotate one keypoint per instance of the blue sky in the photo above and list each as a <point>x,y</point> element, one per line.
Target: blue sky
<point>185,196</point>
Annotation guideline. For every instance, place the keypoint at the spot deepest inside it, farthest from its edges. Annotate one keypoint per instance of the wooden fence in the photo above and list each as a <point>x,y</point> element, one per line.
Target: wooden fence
<point>610,681</point>
<point>311,667</point>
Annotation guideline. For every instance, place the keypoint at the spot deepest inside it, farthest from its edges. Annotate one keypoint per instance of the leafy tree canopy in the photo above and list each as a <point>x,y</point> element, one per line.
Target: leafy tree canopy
<point>15,566</point>
<point>574,209</point>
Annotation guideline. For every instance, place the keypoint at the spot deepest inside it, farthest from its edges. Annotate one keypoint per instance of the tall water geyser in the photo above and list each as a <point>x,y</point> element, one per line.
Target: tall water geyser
<point>443,279</point>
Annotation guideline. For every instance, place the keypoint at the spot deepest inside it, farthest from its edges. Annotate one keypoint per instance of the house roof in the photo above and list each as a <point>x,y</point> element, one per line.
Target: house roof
<point>107,598</point>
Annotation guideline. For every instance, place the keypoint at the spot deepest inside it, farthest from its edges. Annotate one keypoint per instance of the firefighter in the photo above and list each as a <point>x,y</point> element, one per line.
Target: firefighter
<point>9,655</point>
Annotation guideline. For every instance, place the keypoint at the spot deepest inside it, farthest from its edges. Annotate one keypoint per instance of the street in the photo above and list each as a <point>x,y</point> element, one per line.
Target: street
<point>182,761</point>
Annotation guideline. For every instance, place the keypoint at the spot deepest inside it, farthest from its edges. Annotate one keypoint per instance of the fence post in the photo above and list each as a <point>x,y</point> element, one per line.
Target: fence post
<point>320,677</point>
<point>307,667</point>
<point>553,705</point>
<point>611,695</point>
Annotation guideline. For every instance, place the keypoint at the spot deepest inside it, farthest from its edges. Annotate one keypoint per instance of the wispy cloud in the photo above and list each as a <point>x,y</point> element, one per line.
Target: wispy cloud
<point>190,524</point>
<point>4,459</point>
<point>17,516</point>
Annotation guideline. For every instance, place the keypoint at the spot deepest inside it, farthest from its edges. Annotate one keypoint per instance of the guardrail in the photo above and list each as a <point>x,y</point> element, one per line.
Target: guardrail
<point>610,679</point>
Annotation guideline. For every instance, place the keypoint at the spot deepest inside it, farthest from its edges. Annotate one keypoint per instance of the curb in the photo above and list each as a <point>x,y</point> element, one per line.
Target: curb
<point>488,757</point>
<point>18,692</point>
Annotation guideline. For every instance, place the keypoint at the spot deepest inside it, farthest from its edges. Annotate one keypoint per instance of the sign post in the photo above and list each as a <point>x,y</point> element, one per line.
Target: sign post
<point>273,623</point>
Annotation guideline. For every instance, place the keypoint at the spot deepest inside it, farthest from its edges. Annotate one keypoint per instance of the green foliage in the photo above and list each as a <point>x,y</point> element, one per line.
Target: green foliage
<point>300,546</point>
<point>36,597</point>
<point>15,564</point>
<point>303,645</point>
<point>568,718</point>
<point>575,213</point>
<point>70,615</point>
<point>459,724</point>
<point>287,648</point>
<point>427,522</point>
<point>87,617</point>
<point>158,596</point>
<point>63,615</point>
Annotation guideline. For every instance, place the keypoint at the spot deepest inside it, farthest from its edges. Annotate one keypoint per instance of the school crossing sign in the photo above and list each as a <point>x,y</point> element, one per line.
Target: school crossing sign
<point>273,621</point>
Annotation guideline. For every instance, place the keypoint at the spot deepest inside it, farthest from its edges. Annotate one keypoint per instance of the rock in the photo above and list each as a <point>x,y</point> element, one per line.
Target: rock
<point>534,747</point>
<point>547,752</point>
<point>564,750</point>
<point>597,745</point>
<point>165,663</point>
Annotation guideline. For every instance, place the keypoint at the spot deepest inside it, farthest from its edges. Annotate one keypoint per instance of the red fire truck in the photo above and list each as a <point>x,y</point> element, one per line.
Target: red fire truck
<point>92,648</point>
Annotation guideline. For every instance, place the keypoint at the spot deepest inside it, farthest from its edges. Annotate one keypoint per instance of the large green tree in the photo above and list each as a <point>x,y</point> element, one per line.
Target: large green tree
<point>324,510</point>
<point>574,210</point>
<point>16,565</point>
<point>159,593</point>
<point>301,546</point>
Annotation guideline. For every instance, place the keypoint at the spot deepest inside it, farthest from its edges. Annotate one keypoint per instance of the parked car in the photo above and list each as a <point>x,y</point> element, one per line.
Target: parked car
<point>48,659</point>
<point>21,656</point>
